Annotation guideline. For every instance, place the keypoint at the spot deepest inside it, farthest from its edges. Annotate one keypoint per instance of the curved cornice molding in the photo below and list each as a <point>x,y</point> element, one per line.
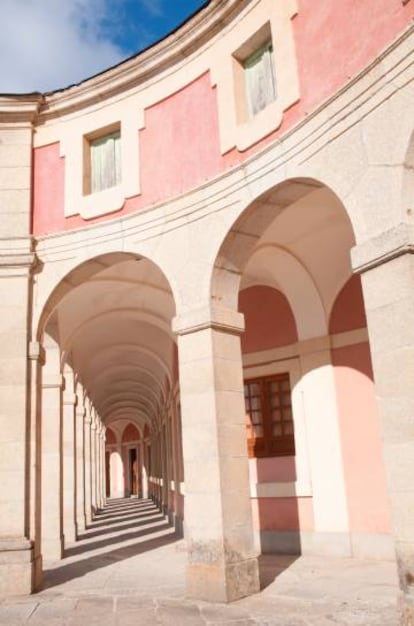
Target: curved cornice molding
<point>175,47</point>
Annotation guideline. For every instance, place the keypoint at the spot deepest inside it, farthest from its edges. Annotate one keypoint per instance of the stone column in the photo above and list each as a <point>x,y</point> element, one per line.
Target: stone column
<point>98,462</point>
<point>164,467</point>
<point>221,560</point>
<point>16,261</point>
<point>52,483</point>
<point>93,466</point>
<point>87,467</point>
<point>144,474</point>
<point>37,360</point>
<point>69,492</point>
<point>387,267</point>
<point>80,466</point>
<point>103,466</point>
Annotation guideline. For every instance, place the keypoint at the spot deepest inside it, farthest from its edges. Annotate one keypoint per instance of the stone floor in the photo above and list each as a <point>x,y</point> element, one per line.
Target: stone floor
<point>128,569</point>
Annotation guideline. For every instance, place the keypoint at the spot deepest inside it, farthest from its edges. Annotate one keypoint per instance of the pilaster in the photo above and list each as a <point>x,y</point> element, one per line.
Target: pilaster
<point>80,466</point>
<point>386,265</point>
<point>69,483</point>
<point>52,458</point>
<point>87,423</point>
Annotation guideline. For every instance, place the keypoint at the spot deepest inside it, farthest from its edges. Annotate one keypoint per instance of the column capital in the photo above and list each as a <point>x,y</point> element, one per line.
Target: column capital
<point>17,257</point>
<point>80,410</point>
<point>53,381</point>
<point>37,352</point>
<point>70,398</point>
<point>87,419</point>
<point>383,248</point>
<point>213,316</point>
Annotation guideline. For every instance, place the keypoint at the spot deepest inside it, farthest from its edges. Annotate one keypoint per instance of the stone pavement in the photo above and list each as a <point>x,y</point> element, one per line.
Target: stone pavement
<point>127,569</point>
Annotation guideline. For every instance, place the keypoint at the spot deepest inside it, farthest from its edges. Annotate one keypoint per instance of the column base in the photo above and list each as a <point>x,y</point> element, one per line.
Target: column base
<point>407,610</point>
<point>222,583</point>
<point>52,549</point>
<point>19,569</point>
<point>80,526</point>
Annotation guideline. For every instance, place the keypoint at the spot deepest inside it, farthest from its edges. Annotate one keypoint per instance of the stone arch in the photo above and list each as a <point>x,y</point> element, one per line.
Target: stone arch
<point>296,239</point>
<point>130,433</point>
<point>110,436</point>
<point>245,234</point>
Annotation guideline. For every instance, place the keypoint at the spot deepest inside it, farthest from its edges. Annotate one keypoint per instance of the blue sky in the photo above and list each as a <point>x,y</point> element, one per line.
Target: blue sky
<point>50,44</point>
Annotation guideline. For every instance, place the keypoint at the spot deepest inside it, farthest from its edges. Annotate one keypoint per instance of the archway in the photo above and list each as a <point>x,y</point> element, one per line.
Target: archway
<point>110,373</point>
<point>283,264</point>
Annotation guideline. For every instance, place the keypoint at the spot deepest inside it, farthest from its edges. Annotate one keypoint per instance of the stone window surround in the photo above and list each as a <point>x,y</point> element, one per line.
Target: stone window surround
<point>269,21</point>
<point>76,133</point>
<point>260,40</point>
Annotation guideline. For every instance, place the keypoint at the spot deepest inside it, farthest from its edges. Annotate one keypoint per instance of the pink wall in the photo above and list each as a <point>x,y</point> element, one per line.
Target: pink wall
<point>283,513</point>
<point>48,189</point>
<point>110,436</point>
<point>358,417</point>
<point>179,146</point>
<point>130,434</point>
<point>180,143</point>
<point>272,469</point>
<point>360,440</point>
<point>335,40</point>
<point>268,317</point>
<point>348,312</point>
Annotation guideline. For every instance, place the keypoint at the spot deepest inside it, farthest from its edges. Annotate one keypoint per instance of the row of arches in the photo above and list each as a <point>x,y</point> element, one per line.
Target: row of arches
<point>257,439</point>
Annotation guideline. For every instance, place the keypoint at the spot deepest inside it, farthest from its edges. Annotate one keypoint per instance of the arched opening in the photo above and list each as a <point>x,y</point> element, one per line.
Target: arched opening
<point>108,391</point>
<point>311,418</point>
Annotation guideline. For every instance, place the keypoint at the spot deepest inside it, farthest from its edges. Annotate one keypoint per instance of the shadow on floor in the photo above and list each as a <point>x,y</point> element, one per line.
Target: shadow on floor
<point>145,514</point>
<point>273,565</point>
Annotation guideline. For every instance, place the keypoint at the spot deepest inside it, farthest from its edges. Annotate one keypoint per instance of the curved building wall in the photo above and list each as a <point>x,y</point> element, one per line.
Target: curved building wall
<point>182,127</point>
<point>137,285</point>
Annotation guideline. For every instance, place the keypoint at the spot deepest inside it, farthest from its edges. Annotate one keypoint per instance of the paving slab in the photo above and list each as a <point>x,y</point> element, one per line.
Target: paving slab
<point>141,582</point>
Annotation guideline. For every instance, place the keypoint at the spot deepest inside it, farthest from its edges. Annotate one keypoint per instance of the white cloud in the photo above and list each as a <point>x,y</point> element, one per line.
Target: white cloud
<point>154,7</point>
<point>50,44</point>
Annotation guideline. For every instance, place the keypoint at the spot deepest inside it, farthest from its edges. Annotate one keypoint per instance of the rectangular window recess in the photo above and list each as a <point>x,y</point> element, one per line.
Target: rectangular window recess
<point>102,161</point>
<point>269,418</point>
<point>260,80</point>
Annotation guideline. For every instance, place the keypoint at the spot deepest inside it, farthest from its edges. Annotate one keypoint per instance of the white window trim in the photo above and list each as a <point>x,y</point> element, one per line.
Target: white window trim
<point>235,130</point>
<point>91,205</point>
<point>260,54</point>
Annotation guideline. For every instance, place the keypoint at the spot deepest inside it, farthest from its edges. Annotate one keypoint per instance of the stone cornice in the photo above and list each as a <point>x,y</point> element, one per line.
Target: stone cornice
<point>383,248</point>
<point>22,109</point>
<point>17,260</point>
<point>214,317</point>
<point>175,47</point>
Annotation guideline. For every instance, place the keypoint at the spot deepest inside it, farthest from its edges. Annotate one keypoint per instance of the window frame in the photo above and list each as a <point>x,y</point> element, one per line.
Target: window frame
<point>258,54</point>
<point>88,140</point>
<point>269,445</point>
